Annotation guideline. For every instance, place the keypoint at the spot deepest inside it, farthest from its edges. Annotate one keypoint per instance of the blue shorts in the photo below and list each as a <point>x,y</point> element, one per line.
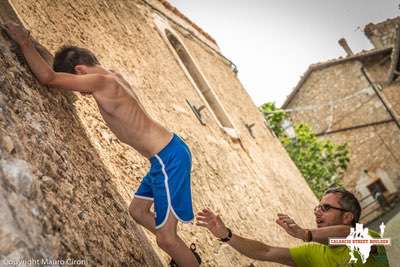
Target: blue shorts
<point>168,182</point>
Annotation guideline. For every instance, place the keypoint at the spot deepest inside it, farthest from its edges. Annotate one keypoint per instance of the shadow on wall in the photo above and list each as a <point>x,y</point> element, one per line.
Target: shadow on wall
<point>57,199</point>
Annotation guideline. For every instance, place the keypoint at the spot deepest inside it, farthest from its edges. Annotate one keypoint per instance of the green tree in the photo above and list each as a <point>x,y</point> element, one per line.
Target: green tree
<point>321,162</point>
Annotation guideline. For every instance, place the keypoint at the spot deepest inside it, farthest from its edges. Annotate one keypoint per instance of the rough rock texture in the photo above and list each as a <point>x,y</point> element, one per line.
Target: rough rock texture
<point>382,34</point>
<point>66,180</point>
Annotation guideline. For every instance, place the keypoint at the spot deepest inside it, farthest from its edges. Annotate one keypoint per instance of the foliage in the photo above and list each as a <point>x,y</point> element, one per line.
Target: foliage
<point>274,117</point>
<point>321,162</point>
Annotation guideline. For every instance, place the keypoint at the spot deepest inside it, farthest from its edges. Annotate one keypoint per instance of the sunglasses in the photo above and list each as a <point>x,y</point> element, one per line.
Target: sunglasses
<point>326,207</point>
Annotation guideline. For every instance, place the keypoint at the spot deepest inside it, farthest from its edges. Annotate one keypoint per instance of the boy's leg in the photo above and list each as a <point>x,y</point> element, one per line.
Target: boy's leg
<point>170,242</point>
<point>140,212</point>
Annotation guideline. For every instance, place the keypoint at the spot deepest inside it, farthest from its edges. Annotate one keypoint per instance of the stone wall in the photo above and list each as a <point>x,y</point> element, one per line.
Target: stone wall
<point>331,93</point>
<point>66,181</point>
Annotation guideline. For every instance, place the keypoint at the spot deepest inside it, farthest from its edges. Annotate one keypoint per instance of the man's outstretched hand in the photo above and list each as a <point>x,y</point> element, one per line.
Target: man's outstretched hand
<point>208,219</point>
<point>17,32</point>
<point>291,227</point>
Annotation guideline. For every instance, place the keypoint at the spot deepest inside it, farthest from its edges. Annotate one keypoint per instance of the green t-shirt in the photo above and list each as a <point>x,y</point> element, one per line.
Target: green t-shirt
<point>317,255</point>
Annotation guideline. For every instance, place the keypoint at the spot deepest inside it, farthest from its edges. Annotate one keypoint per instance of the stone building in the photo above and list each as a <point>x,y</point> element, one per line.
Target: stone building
<point>66,181</point>
<point>356,99</point>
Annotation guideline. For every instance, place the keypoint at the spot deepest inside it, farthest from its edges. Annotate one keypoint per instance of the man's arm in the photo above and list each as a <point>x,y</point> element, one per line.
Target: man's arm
<point>260,251</point>
<point>248,247</point>
<point>320,235</point>
<point>43,72</point>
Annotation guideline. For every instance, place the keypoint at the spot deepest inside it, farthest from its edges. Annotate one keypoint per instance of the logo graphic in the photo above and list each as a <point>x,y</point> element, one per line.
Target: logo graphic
<point>360,241</point>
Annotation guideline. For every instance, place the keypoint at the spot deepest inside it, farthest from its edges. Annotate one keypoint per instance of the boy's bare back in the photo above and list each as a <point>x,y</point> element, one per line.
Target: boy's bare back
<point>127,119</point>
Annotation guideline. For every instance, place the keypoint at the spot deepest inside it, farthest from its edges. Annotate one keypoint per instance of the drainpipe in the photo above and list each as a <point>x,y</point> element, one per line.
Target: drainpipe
<point>388,109</point>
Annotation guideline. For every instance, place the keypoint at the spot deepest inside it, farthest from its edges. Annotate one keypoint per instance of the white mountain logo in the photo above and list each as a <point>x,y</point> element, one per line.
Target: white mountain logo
<point>361,242</point>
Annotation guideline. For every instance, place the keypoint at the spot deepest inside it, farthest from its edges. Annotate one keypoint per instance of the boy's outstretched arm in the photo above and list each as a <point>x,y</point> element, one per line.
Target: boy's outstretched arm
<point>45,74</point>
<point>44,53</point>
<point>248,247</point>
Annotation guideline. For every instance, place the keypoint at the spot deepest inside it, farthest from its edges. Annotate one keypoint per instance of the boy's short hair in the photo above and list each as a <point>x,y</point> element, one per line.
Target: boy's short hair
<point>67,57</point>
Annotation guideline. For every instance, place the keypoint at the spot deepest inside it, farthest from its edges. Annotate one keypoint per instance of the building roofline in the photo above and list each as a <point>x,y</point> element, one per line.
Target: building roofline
<point>323,65</point>
<point>174,10</point>
<point>213,45</point>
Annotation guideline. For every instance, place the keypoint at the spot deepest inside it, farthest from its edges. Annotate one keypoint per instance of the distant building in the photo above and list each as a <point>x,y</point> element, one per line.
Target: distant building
<point>338,101</point>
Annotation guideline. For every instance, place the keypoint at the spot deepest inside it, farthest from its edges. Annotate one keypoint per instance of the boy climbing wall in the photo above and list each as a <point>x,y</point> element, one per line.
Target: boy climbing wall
<point>167,184</point>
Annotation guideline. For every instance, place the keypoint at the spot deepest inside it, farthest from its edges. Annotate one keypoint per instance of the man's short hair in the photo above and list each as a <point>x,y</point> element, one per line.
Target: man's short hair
<point>348,201</point>
<point>67,57</point>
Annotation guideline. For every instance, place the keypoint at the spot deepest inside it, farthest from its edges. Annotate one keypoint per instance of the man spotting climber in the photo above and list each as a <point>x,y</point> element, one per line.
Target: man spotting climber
<point>167,184</point>
<point>337,211</point>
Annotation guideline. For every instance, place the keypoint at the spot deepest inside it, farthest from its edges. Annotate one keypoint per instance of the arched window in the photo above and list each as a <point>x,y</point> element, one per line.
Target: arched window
<point>197,79</point>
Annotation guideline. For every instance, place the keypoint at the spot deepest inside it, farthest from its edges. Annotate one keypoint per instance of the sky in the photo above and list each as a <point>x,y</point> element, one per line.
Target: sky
<point>273,42</point>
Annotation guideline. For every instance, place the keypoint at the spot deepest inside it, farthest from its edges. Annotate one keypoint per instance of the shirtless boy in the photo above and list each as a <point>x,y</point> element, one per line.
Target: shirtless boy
<point>167,184</point>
